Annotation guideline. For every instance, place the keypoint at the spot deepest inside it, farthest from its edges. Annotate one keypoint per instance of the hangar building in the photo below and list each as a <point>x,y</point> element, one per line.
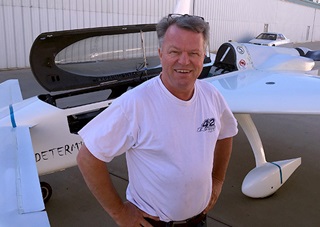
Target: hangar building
<point>21,21</point>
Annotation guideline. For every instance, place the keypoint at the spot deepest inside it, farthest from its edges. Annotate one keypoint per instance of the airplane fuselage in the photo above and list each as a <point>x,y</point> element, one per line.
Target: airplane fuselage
<point>55,147</point>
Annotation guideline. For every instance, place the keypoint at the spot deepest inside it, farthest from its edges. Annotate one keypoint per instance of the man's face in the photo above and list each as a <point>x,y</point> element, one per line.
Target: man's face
<point>182,54</point>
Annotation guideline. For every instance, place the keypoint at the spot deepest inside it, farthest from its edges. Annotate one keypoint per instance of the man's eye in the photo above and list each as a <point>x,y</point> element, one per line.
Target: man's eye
<point>195,54</point>
<point>173,52</point>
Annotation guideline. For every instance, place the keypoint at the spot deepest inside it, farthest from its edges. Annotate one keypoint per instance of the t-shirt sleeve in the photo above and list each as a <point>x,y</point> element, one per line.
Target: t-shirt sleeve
<point>109,134</point>
<point>229,125</point>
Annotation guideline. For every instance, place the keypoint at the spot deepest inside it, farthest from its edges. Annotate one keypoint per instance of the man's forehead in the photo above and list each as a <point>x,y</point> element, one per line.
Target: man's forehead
<point>178,38</point>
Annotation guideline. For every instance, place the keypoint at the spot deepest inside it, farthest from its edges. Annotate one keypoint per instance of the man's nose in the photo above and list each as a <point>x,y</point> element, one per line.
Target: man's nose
<point>184,58</point>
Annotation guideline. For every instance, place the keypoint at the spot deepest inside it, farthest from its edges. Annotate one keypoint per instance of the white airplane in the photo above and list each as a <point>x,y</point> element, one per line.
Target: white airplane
<point>39,135</point>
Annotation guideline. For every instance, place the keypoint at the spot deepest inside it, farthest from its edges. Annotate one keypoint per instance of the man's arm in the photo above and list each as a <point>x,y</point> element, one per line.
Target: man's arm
<point>97,178</point>
<point>222,155</point>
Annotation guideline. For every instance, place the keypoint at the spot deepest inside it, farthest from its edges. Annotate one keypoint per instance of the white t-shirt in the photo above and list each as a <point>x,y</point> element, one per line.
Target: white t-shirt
<point>169,145</point>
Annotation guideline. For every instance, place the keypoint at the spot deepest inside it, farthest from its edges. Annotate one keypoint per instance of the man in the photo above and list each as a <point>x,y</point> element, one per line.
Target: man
<point>176,132</point>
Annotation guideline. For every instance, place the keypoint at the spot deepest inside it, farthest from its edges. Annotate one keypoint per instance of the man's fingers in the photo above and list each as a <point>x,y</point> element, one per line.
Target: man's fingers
<point>144,214</point>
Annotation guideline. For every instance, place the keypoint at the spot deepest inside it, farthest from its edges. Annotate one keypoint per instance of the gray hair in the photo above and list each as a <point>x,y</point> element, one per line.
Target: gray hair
<point>189,22</point>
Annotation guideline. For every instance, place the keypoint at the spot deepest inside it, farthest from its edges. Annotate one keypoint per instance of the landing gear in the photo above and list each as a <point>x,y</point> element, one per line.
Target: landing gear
<point>267,177</point>
<point>46,191</point>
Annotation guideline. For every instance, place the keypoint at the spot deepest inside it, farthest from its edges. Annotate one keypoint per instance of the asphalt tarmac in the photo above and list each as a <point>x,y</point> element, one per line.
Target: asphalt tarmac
<point>296,203</point>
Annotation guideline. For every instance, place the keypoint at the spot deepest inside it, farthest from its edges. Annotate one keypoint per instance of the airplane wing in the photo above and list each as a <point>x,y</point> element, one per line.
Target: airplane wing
<point>266,80</point>
<point>273,92</point>
<point>21,199</point>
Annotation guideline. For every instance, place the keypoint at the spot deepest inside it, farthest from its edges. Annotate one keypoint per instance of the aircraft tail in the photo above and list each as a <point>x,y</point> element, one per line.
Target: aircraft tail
<point>10,93</point>
<point>183,7</point>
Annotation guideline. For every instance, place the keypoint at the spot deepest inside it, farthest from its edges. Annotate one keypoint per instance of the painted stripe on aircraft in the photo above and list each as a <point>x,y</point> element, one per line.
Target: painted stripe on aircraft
<point>279,170</point>
<point>225,54</point>
<point>13,122</point>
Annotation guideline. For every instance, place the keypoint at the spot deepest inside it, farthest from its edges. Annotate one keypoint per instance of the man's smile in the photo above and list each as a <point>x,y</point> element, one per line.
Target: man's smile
<point>182,71</point>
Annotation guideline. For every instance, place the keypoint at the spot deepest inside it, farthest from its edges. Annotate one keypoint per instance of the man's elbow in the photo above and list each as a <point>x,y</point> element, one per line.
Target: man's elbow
<point>83,155</point>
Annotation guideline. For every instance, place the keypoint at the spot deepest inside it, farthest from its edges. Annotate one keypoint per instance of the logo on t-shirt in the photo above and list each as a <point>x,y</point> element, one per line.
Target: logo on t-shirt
<point>207,125</point>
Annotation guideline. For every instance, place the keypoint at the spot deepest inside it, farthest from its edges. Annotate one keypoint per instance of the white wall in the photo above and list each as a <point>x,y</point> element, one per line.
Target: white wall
<point>241,20</point>
<point>21,21</point>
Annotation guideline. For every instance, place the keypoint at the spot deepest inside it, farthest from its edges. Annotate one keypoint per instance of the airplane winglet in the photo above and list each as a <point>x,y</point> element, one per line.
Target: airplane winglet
<point>183,7</point>
<point>10,93</point>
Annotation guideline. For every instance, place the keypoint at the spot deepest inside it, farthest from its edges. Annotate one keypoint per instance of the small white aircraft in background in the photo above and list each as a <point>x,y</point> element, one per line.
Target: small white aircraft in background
<point>39,135</point>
